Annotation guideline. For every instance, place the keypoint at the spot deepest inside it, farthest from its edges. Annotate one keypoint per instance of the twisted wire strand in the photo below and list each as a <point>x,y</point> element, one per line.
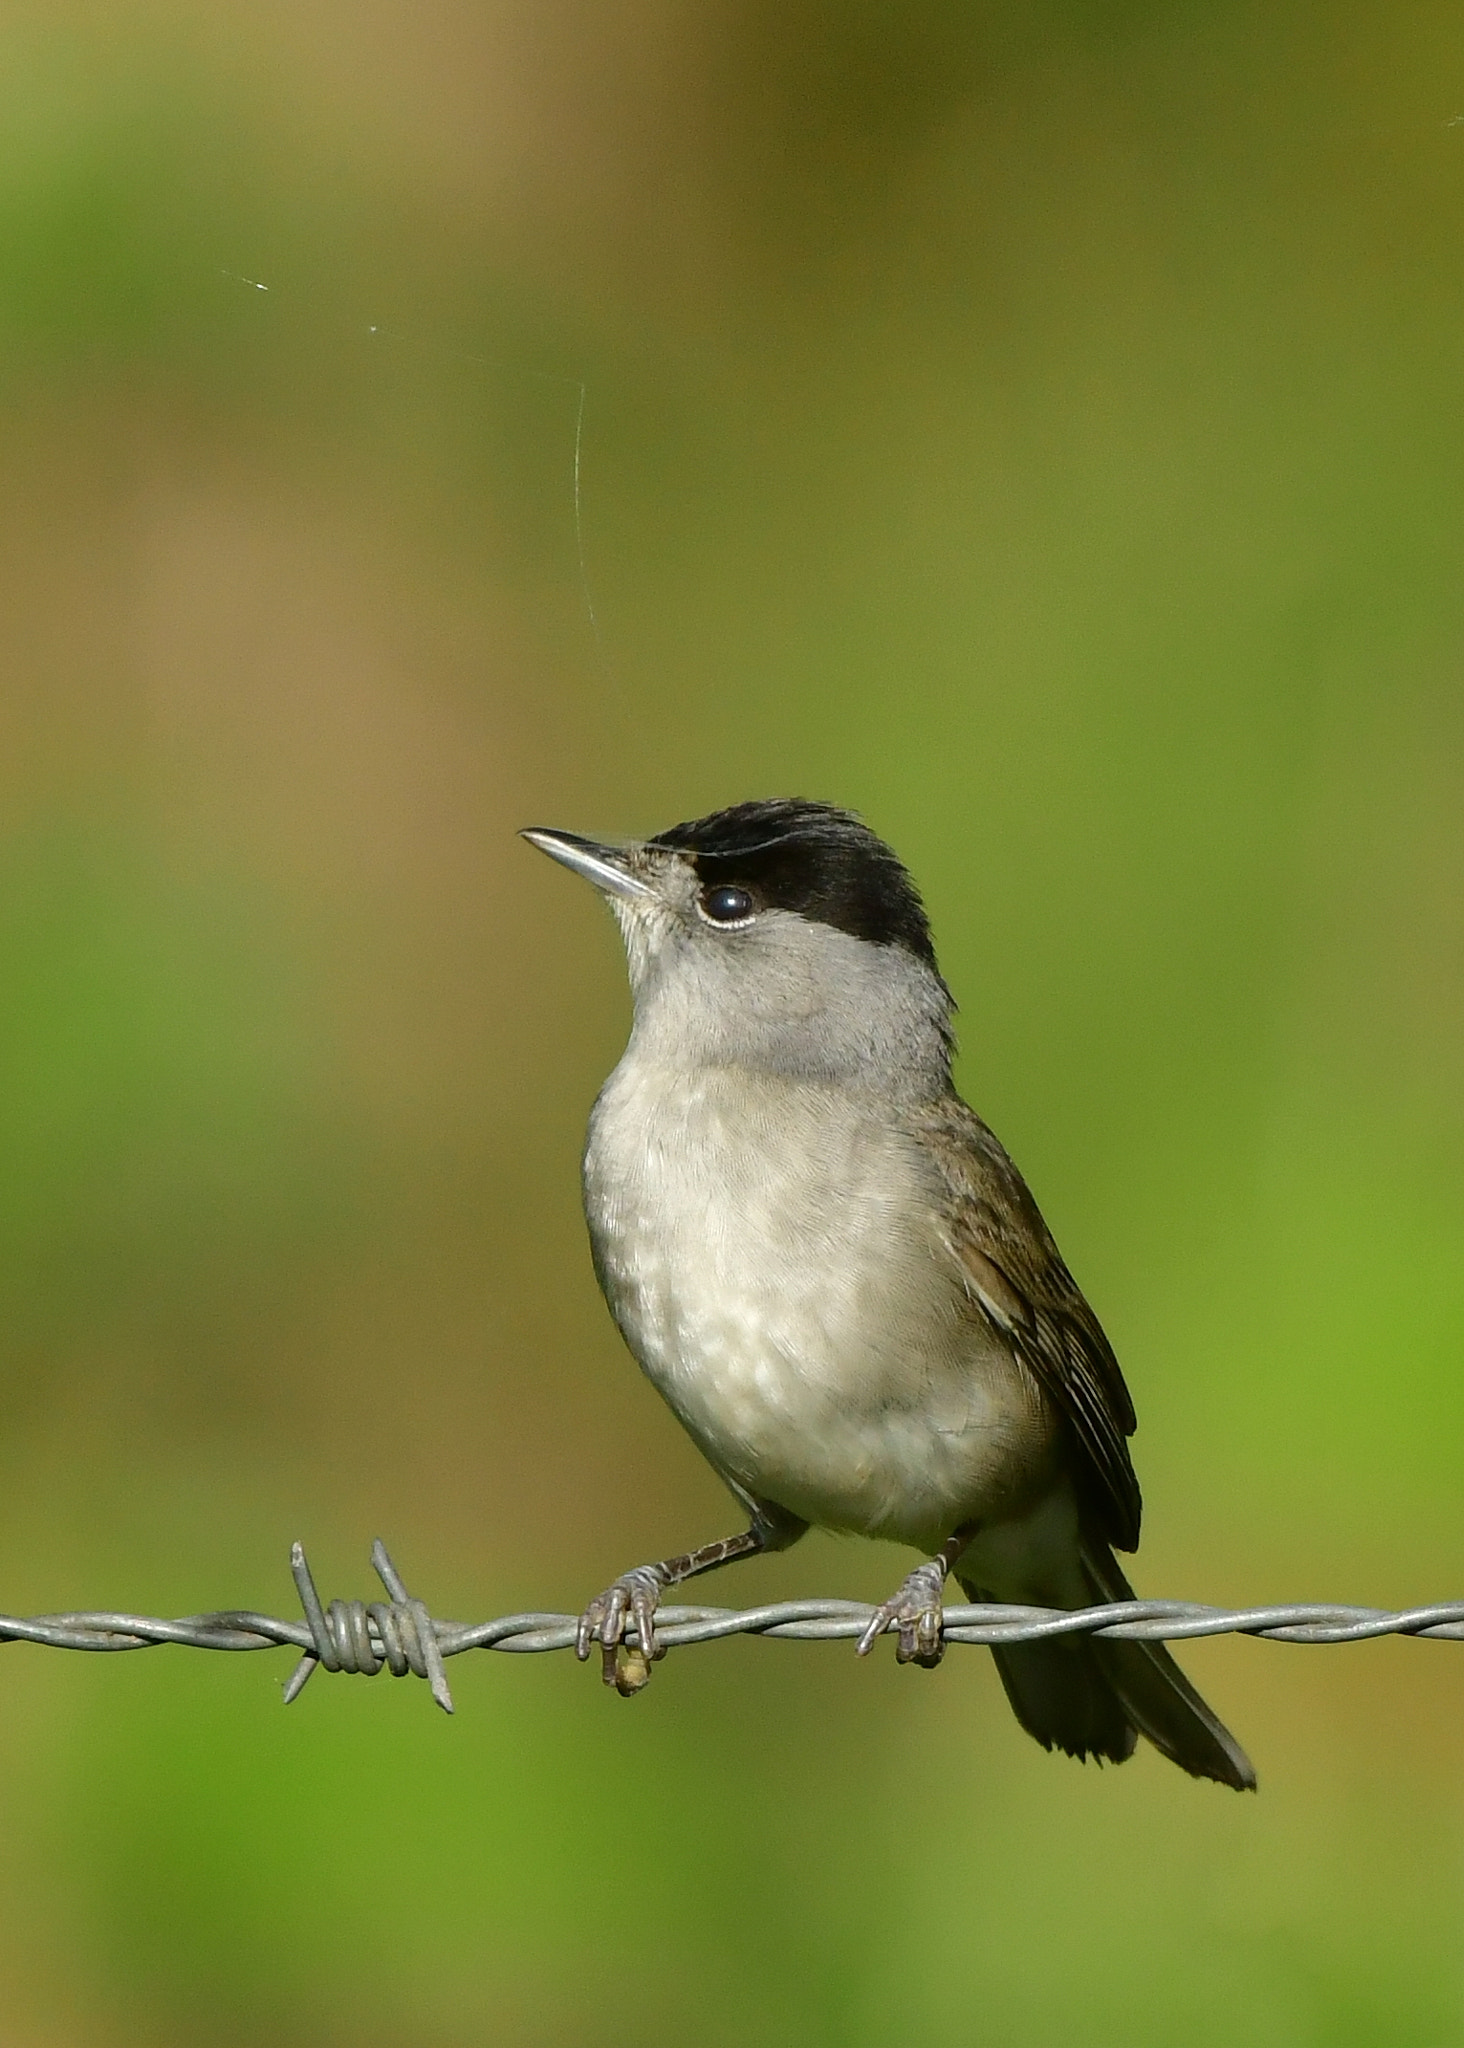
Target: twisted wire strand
<point>399,1635</point>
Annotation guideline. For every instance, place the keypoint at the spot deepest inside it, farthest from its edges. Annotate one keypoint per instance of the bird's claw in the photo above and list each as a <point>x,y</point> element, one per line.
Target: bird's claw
<point>631,1601</point>
<point>917,1614</point>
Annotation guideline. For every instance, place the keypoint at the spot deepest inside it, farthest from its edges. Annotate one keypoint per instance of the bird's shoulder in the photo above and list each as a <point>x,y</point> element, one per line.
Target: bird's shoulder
<point>1016,1278</point>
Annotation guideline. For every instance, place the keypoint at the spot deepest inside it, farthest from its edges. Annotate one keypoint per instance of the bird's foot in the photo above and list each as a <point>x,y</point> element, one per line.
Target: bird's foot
<point>632,1600</point>
<point>916,1613</point>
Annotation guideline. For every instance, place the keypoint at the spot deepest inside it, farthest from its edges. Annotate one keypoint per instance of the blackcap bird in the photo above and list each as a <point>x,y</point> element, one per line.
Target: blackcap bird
<point>829,1267</point>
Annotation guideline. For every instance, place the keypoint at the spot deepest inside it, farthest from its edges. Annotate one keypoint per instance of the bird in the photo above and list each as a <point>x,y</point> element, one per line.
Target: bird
<point>836,1277</point>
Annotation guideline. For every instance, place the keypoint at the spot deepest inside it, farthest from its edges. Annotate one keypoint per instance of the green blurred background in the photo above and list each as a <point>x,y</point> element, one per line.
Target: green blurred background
<point>1038,426</point>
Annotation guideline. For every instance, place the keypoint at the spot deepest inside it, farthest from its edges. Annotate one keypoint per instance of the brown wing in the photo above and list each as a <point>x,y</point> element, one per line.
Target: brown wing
<point>1015,1274</point>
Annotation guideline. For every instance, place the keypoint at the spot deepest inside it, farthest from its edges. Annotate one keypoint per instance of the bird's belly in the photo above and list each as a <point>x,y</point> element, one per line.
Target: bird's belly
<point>792,1305</point>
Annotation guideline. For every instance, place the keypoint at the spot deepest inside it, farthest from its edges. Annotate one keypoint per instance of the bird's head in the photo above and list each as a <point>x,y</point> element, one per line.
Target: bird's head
<point>778,933</point>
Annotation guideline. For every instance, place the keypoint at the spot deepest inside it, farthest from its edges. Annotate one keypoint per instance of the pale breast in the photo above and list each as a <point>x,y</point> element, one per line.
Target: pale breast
<point>773,1253</point>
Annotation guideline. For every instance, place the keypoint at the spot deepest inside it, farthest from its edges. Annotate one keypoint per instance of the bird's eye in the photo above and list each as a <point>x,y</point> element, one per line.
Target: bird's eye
<point>726,905</point>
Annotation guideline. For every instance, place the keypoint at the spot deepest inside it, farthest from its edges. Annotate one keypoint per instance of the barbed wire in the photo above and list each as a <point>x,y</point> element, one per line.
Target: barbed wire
<point>400,1636</point>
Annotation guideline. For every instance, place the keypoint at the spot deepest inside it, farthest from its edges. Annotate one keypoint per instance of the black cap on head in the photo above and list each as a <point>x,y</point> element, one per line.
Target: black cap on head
<point>811,858</point>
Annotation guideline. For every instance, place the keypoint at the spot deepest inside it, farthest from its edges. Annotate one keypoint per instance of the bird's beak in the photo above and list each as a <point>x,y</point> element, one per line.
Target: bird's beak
<point>603,865</point>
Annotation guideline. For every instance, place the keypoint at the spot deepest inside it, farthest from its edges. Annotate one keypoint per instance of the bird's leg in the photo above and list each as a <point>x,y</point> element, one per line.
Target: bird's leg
<point>636,1594</point>
<point>916,1610</point>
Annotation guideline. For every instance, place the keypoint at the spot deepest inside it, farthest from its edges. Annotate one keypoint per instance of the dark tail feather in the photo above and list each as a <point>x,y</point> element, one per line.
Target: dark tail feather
<point>1060,1696</point>
<point>1094,1698</point>
<point>1156,1695</point>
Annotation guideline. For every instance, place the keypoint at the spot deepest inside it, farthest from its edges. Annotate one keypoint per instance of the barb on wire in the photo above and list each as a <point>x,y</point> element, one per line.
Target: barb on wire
<point>399,1635</point>
<point>352,1635</point>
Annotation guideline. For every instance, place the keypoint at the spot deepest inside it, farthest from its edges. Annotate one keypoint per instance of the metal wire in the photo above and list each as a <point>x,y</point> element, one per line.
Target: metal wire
<point>400,1636</point>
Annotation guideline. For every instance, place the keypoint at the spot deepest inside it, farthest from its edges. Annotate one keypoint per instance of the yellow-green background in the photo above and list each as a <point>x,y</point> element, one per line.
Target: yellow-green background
<point>1038,425</point>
